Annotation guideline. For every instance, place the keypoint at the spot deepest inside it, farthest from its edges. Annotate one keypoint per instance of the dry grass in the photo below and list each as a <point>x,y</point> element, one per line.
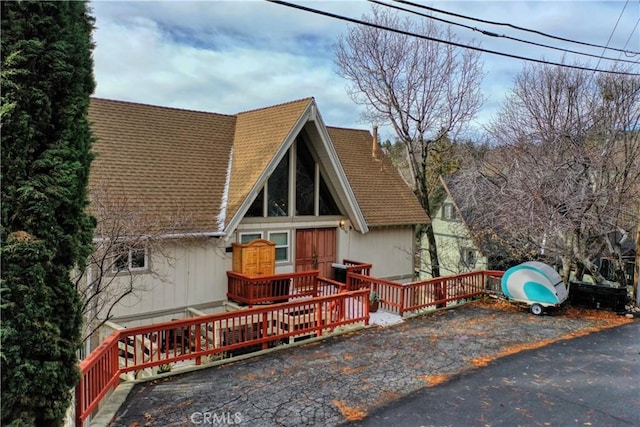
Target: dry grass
<point>609,317</point>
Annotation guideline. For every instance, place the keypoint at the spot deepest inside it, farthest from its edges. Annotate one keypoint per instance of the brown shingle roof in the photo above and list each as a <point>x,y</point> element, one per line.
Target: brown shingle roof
<point>174,162</point>
<point>384,198</point>
<point>259,134</point>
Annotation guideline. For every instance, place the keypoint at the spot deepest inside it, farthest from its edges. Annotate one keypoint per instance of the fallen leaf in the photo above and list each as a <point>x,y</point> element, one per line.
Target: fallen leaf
<point>351,414</point>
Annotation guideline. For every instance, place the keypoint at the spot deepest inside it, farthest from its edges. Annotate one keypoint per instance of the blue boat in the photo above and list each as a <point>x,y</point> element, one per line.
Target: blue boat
<point>535,284</point>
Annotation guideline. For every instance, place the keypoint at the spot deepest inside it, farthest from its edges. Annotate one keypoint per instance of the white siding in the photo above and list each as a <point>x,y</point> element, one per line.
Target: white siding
<point>182,274</point>
<point>192,273</point>
<point>390,250</point>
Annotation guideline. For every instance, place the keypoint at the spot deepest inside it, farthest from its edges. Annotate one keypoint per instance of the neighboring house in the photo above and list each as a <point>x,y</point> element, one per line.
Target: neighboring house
<point>198,182</point>
<point>458,251</point>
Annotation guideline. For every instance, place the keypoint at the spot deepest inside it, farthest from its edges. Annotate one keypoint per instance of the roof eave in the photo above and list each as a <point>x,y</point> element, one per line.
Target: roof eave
<point>353,209</point>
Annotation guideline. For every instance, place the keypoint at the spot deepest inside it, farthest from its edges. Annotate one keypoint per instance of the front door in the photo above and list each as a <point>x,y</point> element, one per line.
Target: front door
<point>316,250</point>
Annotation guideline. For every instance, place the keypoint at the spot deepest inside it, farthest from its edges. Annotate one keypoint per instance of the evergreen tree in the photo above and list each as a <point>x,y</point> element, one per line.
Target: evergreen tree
<point>46,81</point>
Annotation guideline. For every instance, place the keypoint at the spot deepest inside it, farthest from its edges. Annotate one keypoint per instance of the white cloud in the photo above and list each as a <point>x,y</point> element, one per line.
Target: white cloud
<point>230,56</point>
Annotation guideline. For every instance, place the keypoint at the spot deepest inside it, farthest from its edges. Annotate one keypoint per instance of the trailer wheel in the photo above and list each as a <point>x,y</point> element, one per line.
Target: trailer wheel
<point>536,309</point>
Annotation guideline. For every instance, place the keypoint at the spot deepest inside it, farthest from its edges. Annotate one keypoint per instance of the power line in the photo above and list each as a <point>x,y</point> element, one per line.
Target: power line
<point>630,35</point>
<point>613,31</point>
<point>433,9</point>
<point>492,34</point>
<point>420,36</point>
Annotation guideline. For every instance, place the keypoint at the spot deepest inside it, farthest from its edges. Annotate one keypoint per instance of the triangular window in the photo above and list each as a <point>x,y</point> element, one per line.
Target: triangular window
<point>312,195</point>
<point>257,207</point>
<point>326,203</point>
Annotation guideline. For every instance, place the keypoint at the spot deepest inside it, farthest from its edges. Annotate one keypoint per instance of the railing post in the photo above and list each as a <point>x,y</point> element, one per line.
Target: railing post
<point>319,319</point>
<point>263,322</point>
<point>138,349</point>
<point>402,297</point>
<point>79,401</point>
<point>366,309</point>
<point>198,332</point>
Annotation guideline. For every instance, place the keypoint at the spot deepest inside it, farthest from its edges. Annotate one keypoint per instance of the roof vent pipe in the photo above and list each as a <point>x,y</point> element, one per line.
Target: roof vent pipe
<point>375,148</point>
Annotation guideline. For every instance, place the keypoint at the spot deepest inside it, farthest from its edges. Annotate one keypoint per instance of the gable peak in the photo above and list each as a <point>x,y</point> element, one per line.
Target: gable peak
<point>283,104</point>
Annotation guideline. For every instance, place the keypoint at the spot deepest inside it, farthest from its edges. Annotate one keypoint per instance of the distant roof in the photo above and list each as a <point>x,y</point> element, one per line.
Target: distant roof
<point>202,166</point>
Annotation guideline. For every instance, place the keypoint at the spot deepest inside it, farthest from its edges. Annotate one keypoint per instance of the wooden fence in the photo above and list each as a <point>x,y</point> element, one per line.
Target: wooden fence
<point>252,290</point>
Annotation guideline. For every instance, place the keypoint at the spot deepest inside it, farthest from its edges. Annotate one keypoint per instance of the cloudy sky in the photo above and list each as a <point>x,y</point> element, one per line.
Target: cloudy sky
<point>232,56</point>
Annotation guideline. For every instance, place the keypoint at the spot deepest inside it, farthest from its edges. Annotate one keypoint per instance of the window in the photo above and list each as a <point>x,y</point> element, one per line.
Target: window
<point>281,239</point>
<point>278,189</point>
<point>130,258</point>
<point>305,179</point>
<point>448,212</point>
<point>469,257</point>
<point>257,207</point>
<point>249,237</point>
<point>312,194</point>
<point>327,204</point>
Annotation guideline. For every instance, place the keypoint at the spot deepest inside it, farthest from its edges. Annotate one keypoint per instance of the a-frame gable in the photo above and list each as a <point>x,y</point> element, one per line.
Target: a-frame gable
<point>258,139</point>
<point>262,138</point>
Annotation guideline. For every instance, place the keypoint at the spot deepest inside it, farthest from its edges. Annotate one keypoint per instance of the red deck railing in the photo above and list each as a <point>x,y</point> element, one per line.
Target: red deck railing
<point>318,305</point>
<point>357,267</point>
<point>137,348</point>
<point>252,290</point>
<point>439,292</point>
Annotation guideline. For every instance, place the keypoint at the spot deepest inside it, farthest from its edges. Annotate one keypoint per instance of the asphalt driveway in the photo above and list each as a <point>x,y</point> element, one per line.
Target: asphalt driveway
<point>588,381</point>
<point>346,378</point>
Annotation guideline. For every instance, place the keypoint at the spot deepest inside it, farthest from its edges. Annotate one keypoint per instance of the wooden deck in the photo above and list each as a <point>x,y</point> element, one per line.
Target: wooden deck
<point>313,306</point>
<point>258,290</point>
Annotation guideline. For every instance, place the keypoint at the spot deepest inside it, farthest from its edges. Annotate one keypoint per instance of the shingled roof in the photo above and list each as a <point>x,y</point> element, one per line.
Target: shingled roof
<point>169,161</point>
<point>259,134</point>
<point>203,166</point>
<point>384,198</point>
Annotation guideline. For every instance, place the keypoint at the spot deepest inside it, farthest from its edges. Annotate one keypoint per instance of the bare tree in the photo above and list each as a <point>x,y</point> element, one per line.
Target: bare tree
<point>126,235</point>
<point>425,90</point>
<point>565,178</point>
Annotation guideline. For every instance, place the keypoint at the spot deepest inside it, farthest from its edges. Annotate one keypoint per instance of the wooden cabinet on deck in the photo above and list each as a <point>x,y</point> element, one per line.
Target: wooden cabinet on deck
<point>256,258</point>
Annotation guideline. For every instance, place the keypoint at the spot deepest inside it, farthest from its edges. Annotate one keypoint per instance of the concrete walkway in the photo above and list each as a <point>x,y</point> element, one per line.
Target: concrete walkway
<point>344,378</point>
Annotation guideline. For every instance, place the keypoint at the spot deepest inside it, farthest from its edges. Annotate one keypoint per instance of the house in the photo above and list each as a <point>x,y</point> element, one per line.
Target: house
<point>459,251</point>
<point>173,189</point>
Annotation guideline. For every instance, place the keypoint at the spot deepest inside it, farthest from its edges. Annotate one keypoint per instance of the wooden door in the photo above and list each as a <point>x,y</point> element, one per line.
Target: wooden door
<point>316,250</point>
